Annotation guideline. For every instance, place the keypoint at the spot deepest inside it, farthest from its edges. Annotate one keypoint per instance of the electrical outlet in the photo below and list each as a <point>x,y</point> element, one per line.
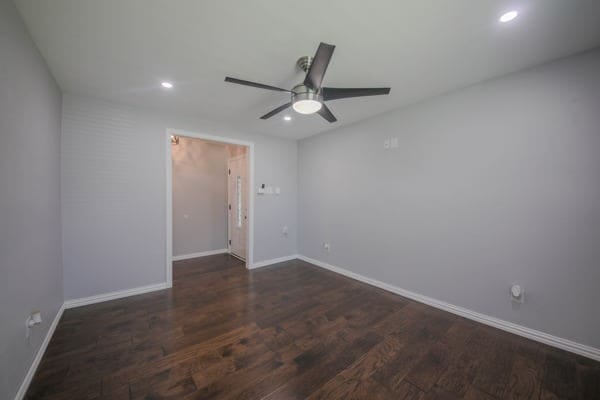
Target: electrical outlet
<point>327,247</point>
<point>517,293</point>
<point>35,318</point>
<point>284,231</point>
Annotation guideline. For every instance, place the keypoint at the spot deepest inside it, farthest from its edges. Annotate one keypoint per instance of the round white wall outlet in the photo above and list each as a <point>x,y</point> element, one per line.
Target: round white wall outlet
<point>517,293</point>
<point>516,290</point>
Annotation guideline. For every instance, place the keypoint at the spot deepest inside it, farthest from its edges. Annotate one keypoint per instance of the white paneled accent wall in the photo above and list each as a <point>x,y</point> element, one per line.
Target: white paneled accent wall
<point>114,177</point>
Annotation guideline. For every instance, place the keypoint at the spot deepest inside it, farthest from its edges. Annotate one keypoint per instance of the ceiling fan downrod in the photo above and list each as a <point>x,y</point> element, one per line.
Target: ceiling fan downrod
<point>304,63</point>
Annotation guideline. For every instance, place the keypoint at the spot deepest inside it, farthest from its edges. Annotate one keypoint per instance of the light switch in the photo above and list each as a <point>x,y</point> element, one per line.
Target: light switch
<point>277,190</point>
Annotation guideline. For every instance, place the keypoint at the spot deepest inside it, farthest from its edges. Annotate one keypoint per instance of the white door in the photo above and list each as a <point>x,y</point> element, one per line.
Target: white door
<point>237,195</point>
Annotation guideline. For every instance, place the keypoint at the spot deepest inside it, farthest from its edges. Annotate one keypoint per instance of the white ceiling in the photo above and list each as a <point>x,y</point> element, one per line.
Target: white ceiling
<point>120,50</point>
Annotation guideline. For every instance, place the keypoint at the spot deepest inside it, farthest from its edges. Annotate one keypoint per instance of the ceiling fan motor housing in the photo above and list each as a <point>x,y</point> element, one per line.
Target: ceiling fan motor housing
<point>306,100</point>
<point>302,92</point>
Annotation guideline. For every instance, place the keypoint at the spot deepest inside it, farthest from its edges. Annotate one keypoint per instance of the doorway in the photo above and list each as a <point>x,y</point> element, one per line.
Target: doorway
<point>239,174</point>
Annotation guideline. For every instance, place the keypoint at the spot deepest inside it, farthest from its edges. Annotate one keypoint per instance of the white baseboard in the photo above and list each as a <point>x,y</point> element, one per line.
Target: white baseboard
<point>264,263</point>
<point>84,301</point>
<point>200,254</point>
<point>551,340</point>
<point>72,304</point>
<point>564,344</point>
<point>38,357</point>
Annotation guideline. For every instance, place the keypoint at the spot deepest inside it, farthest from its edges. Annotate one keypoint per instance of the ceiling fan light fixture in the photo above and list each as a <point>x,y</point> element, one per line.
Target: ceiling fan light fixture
<point>309,96</point>
<point>307,106</point>
<point>305,100</point>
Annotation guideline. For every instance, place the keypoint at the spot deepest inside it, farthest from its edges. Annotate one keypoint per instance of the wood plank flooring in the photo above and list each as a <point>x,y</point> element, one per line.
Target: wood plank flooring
<point>292,331</point>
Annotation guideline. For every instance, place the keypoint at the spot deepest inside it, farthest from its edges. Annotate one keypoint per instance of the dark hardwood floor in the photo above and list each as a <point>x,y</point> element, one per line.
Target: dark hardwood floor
<point>293,331</point>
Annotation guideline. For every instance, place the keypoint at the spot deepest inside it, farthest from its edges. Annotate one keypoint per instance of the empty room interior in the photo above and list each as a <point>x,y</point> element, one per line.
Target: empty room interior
<point>300,200</point>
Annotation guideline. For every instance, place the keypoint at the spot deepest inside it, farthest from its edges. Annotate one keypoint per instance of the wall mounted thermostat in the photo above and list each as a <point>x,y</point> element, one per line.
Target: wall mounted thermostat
<point>264,189</point>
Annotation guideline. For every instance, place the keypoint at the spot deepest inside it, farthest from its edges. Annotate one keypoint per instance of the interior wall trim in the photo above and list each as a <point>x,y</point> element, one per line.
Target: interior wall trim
<point>84,301</point>
<point>538,336</point>
<point>200,254</point>
<point>272,261</point>
<point>72,304</point>
<point>551,340</point>
<point>39,355</point>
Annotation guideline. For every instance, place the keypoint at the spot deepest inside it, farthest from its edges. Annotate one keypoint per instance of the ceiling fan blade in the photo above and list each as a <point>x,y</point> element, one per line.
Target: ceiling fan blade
<point>254,84</point>
<point>275,111</point>
<point>343,93</point>
<point>319,64</point>
<point>327,114</point>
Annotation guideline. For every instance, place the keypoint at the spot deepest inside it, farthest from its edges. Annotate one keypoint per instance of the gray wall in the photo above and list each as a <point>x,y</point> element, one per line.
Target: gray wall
<point>199,196</point>
<point>30,256</point>
<point>490,185</point>
<point>113,171</point>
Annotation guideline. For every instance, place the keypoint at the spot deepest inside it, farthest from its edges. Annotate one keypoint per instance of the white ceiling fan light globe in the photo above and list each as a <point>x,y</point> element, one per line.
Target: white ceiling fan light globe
<point>307,106</point>
<point>305,100</point>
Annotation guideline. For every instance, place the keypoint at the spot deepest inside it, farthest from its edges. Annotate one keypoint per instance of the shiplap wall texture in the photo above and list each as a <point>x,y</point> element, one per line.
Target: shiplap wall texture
<point>113,188</point>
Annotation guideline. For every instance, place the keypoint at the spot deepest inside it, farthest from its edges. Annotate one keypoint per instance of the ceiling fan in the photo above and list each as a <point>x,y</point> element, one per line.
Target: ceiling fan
<point>309,96</point>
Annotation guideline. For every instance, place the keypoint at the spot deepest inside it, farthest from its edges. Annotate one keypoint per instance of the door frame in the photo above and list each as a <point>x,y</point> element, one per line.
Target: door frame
<point>229,202</point>
<point>169,193</point>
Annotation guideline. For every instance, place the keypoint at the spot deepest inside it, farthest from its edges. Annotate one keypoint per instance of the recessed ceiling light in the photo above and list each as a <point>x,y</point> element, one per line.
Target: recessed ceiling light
<point>509,16</point>
<point>166,85</point>
<point>287,118</point>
